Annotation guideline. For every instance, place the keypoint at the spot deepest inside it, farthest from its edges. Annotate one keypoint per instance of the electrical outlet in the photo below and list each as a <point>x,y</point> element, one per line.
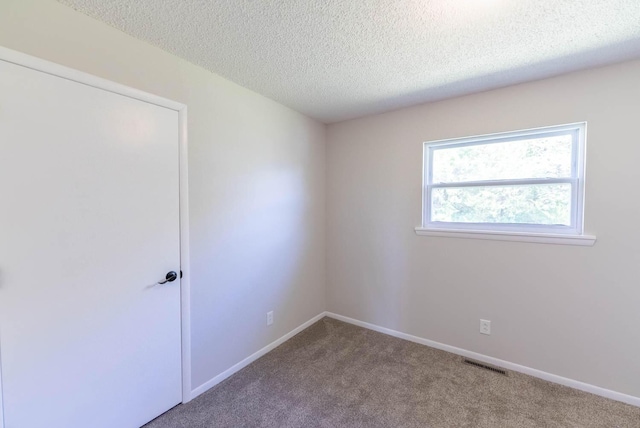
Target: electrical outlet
<point>269,317</point>
<point>485,327</point>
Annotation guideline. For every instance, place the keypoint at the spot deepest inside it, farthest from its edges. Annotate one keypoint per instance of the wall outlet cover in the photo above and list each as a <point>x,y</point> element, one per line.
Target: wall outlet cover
<point>485,327</point>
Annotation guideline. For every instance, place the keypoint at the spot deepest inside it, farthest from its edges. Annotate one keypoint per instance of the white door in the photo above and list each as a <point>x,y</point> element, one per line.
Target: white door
<point>89,224</point>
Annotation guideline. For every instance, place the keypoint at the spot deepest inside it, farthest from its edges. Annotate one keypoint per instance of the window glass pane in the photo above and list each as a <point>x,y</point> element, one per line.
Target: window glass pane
<point>546,204</point>
<point>532,158</point>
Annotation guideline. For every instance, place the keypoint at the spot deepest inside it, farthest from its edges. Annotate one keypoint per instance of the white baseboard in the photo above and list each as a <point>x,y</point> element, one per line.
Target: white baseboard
<point>244,363</point>
<point>618,396</point>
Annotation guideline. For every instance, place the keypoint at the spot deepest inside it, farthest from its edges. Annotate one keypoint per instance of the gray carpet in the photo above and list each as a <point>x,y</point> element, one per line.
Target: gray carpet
<point>337,375</point>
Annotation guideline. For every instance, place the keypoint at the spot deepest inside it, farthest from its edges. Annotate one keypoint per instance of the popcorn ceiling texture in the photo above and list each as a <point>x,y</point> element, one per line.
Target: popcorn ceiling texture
<point>339,59</point>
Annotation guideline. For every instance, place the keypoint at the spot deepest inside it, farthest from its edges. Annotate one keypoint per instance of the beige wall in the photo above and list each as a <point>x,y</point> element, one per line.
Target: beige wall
<point>570,311</point>
<point>256,178</point>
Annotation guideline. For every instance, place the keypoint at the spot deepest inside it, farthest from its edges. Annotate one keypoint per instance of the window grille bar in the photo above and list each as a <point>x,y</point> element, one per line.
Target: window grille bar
<point>514,182</point>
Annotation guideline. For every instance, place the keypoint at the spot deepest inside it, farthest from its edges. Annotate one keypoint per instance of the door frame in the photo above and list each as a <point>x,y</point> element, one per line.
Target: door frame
<point>58,70</point>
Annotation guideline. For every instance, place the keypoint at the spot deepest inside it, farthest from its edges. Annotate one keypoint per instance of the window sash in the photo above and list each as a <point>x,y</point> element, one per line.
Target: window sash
<point>577,132</point>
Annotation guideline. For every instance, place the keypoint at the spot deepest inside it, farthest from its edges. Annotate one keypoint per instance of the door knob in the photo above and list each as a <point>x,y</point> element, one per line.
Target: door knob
<point>170,277</point>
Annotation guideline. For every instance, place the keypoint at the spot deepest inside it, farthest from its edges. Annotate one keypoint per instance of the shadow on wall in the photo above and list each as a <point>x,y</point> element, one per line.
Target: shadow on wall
<point>261,254</point>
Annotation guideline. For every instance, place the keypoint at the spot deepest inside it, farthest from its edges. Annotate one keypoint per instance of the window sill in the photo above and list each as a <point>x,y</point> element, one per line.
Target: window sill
<point>539,238</point>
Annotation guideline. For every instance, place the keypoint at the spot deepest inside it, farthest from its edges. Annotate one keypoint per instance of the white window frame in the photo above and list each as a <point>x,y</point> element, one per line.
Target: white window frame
<point>558,234</point>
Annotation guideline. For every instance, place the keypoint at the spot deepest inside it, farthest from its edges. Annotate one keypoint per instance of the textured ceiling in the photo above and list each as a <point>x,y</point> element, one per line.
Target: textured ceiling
<point>339,59</point>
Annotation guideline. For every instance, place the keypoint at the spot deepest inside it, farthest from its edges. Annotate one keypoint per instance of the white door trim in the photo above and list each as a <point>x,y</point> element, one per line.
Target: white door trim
<point>1,405</point>
<point>44,66</point>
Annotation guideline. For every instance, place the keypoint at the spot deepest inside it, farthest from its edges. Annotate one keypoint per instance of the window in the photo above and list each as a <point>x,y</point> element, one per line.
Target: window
<point>520,184</point>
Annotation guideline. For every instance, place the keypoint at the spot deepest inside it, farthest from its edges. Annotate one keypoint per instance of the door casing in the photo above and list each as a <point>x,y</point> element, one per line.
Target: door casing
<point>54,69</point>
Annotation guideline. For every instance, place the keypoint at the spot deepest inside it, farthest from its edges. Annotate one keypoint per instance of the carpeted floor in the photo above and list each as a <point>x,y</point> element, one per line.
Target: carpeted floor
<point>337,375</point>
